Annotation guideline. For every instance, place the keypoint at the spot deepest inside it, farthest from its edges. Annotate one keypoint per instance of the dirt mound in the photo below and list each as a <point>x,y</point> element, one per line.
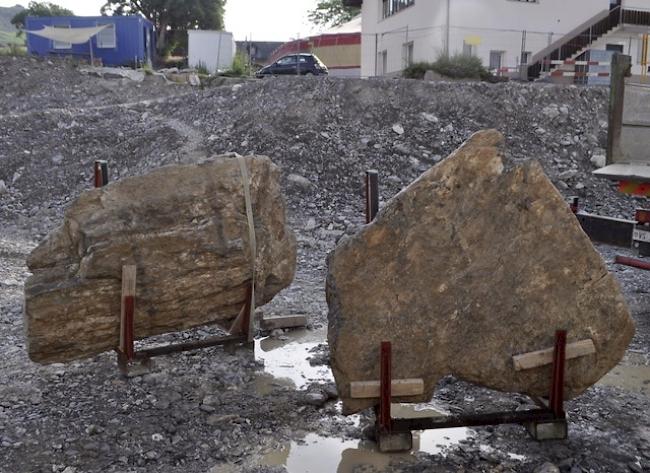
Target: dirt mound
<point>35,83</point>
<point>327,131</point>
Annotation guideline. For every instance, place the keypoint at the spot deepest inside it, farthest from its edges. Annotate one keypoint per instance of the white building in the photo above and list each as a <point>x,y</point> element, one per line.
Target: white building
<point>503,33</point>
<point>214,50</point>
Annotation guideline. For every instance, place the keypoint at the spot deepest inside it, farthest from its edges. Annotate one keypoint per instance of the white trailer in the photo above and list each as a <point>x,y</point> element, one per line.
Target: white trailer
<point>214,50</point>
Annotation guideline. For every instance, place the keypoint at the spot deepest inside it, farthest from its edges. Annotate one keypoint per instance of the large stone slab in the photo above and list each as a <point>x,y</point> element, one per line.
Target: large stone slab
<point>186,229</point>
<point>476,261</point>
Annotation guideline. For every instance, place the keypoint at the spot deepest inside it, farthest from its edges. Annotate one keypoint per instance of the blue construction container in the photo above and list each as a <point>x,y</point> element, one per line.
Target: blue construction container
<point>127,41</point>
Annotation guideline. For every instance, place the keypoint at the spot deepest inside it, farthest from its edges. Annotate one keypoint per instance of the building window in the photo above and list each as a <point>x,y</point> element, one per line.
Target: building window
<point>408,54</point>
<point>390,7</point>
<point>496,60</point>
<point>106,38</point>
<point>61,44</point>
<point>469,49</point>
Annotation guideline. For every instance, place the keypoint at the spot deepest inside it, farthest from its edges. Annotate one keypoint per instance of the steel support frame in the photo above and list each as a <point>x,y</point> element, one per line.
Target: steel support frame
<point>547,413</point>
<point>128,353</point>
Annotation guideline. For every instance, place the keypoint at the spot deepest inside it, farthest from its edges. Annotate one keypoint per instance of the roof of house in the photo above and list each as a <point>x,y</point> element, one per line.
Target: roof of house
<point>102,18</point>
<point>352,26</point>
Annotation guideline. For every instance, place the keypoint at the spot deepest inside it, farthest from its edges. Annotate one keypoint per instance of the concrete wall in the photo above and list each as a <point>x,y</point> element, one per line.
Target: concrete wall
<point>631,40</point>
<point>423,24</point>
<point>213,49</point>
<point>636,4</point>
<point>489,25</point>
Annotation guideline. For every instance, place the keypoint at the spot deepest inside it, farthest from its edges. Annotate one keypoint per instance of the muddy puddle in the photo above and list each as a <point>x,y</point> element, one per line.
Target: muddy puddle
<point>316,453</point>
<point>632,374</point>
<point>286,361</point>
<point>286,364</point>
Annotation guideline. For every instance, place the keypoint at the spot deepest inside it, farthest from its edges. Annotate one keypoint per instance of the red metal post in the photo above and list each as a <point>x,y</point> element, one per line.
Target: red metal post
<point>642,216</point>
<point>372,195</point>
<point>101,173</point>
<point>575,204</point>
<point>556,399</point>
<point>129,309</point>
<point>385,381</point>
<point>635,263</point>
<point>99,180</point>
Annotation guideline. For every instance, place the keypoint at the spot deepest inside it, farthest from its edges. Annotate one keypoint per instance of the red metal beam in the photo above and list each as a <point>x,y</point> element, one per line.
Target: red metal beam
<point>635,263</point>
<point>385,381</point>
<point>556,399</point>
<point>129,309</point>
<point>98,174</point>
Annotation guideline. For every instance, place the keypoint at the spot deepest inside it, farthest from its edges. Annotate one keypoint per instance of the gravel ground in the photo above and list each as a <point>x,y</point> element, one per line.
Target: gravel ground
<point>223,410</point>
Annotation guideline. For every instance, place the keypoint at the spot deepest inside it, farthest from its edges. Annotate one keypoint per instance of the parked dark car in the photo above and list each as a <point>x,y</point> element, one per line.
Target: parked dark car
<point>295,64</point>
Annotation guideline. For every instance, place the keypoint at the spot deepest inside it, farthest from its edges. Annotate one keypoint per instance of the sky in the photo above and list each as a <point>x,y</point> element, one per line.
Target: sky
<point>265,20</point>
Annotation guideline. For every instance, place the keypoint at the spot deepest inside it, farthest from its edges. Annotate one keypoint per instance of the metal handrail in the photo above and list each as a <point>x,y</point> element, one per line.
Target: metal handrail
<point>585,35</point>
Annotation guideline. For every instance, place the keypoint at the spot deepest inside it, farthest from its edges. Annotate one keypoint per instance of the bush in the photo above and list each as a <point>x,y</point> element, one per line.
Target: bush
<point>239,67</point>
<point>202,69</point>
<point>458,66</point>
<point>13,50</point>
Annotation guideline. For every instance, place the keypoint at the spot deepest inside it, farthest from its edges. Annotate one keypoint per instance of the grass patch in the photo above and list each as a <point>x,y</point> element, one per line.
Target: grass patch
<point>7,38</point>
<point>13,50</point>
<point>239,67</point>
<point>458,66</point>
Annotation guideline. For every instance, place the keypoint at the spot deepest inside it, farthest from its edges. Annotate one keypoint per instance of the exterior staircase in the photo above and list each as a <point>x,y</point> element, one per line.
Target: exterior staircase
<point>580,39</point>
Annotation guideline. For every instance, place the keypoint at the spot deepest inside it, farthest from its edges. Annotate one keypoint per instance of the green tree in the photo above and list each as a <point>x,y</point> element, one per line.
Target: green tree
<point>39,9</point>
<point>332,13</point>
<point>171,17</point>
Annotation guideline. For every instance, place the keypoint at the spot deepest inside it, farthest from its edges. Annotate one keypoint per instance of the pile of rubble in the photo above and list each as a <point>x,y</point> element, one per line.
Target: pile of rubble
<point>323,133</point>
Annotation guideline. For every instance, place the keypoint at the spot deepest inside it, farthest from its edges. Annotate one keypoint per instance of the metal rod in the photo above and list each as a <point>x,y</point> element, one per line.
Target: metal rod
<point>190,346</point>
<point>385,381</point>
<point>635,263</point>
<point>98,174</point>
<point>372,195</point>
<point>556,399</point>
<point>129,309</point>
<point>101,173</point>
<point>575,204</point>
<point>473,420</point>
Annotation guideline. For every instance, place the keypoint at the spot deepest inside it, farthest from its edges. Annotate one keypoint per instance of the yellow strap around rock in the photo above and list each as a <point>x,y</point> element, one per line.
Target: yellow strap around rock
<point>252,240</point>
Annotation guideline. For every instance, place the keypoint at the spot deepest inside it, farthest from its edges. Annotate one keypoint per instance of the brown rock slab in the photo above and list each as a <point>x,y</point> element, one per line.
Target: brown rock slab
<point>185,228</point>
<point>477,260</point>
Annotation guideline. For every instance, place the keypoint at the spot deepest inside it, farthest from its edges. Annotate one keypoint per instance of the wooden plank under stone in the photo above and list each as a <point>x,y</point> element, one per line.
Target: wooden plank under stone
<point>535,359</point>
<point>399,388</point>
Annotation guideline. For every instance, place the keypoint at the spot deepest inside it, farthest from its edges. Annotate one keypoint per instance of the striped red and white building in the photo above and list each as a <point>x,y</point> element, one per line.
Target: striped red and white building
<point>339,48</point>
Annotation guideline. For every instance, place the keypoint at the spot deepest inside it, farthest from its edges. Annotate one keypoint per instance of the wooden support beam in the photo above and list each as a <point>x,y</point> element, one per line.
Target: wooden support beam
<point>289,321</point>
<point>535,359</point>
<point>399,388</point>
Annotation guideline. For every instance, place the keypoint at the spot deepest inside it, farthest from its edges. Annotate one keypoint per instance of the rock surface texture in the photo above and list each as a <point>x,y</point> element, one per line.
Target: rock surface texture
<point>476,261</point>
<point>186,229</point>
